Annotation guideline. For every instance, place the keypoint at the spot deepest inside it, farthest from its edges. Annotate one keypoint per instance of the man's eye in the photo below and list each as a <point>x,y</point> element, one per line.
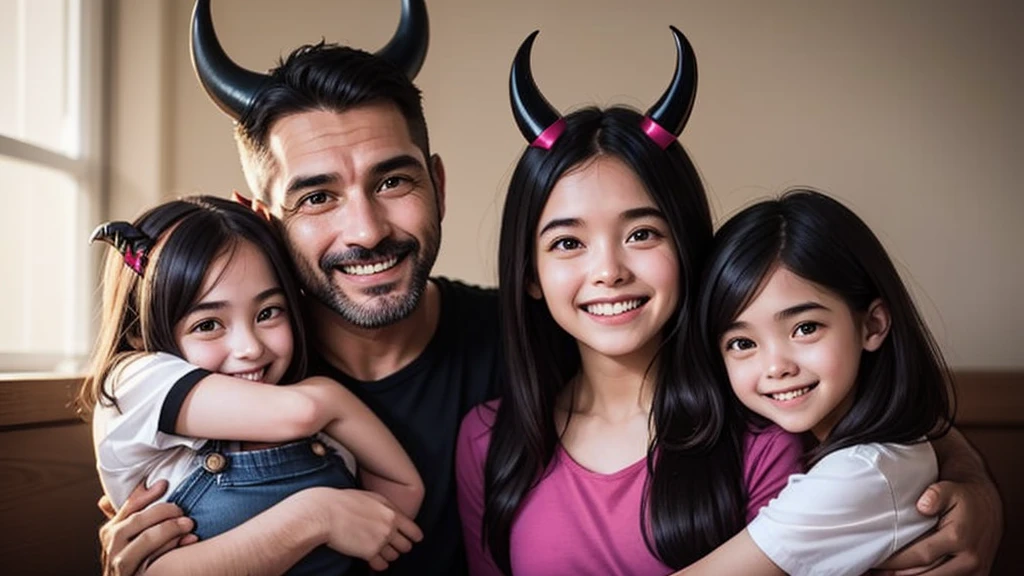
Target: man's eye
<point>315,198</point>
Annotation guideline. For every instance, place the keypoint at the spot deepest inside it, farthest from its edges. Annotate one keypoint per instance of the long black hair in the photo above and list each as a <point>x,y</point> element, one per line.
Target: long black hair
<point>140,312</point>
<point>694,498</point>
<point>903,389</point>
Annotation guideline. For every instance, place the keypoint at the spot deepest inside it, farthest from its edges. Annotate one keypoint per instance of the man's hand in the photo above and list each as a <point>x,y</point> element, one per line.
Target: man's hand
<point>131,539</point>
<point>365,525</point>
<point>966,538</point>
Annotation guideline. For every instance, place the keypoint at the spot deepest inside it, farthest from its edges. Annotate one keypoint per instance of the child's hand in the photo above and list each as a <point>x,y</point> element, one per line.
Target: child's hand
<point>135,536</point>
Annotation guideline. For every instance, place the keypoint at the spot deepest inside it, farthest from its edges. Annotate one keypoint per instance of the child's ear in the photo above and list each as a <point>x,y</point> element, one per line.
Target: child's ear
<point>533,289</point>
<point>875,326</point>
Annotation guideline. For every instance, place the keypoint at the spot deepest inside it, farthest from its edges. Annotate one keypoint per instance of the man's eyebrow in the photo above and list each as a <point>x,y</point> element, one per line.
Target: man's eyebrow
<point>396,163</point>
<point>303,182</point>
<point>560,223</point>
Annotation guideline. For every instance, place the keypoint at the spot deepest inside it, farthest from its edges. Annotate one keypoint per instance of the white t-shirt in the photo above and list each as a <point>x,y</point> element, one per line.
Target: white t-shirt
<point>138,442</point>
<point>130,446</point>
<point>851,511</point>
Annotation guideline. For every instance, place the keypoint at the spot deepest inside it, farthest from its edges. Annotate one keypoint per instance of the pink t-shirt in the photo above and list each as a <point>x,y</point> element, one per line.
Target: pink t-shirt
<point>576,521</point>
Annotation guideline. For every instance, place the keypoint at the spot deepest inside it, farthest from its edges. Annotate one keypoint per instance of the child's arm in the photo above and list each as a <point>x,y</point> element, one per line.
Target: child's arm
<point>972,513</point>
<point>846,515</point>
<point>223,407</point>
<point>384,466</point>
<point>740,555</point>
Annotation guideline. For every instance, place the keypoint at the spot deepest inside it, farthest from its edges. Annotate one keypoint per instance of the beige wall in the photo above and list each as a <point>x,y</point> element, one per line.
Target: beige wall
<point>908,111</point>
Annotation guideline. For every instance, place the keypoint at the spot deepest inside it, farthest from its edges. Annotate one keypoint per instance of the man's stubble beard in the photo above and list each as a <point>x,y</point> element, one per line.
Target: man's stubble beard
<point>388,308</point>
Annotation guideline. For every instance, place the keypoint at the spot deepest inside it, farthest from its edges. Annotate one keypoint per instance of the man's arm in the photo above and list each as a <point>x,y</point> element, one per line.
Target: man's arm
<point>354,522</point>
<point>971,522</point>
<point>131,537</point>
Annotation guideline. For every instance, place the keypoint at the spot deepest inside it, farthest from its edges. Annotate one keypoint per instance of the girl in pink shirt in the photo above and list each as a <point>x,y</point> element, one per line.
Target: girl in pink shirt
<point>608,454</point>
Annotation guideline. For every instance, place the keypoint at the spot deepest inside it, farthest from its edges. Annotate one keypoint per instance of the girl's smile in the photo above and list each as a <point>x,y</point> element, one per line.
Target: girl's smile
<point>606,261</point>
<point>794,353</point>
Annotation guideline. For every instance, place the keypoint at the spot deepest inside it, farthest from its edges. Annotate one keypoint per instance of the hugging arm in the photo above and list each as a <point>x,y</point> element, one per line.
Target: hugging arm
<point>970,515</point>
<point>223,407</point>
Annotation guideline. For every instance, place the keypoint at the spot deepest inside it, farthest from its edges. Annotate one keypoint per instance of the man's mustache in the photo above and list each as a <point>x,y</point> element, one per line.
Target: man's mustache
<point>387,248</point>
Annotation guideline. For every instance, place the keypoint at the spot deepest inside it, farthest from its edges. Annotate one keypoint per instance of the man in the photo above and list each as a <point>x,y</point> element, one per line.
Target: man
<point>335,143</point>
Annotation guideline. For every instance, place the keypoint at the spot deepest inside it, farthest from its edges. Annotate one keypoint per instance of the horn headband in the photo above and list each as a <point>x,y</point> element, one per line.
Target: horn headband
<point>541,124</point>
<point>129,241</point>
<point>233,88</point>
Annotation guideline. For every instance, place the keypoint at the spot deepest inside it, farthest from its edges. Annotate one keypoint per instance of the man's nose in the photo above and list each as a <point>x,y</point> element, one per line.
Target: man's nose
<point>364,221</point>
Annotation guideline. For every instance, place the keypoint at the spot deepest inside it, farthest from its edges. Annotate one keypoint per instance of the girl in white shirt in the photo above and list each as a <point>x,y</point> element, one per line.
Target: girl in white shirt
<point>806,317</point>
<point>198,379</point>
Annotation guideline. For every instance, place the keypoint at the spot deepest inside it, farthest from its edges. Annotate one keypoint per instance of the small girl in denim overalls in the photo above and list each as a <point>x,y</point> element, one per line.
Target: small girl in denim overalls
<point>200,321</point>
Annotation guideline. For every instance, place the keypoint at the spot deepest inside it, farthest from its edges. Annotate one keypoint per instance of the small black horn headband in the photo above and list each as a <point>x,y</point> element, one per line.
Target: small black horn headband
<point>541,124</point>
<point>129,241</point>
<point>233,88</point>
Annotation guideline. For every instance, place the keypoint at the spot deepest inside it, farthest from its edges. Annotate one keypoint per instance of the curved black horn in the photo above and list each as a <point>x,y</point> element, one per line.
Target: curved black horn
<point>533,113</point>
<point>673,108</point>
<point>133,244</point>
<point>231,87</point>
<point>407,49</point>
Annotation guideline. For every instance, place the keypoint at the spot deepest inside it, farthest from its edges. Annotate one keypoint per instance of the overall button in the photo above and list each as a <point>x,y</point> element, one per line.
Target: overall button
<point>215,463</point>
<point>318,448</point>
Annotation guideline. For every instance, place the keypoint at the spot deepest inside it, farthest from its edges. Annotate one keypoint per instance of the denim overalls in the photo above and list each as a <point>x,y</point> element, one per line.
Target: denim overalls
<point>229,488</point>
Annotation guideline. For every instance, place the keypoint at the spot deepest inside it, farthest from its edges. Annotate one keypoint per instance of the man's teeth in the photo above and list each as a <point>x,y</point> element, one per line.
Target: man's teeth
<point>254,376</point>
<point>367,269</point>
<point>783,396</point>
<point>606,309</point>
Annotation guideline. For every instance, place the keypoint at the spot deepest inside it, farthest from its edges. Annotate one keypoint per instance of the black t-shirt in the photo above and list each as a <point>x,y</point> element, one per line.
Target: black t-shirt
<point>423,405</point>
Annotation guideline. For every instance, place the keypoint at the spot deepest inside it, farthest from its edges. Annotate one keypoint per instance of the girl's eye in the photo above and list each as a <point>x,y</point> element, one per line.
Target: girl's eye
<point>269,313</point>
<point>740,344</point>
<point>205,326</point>
<point>566,244</point>
<point>643,235</point>
<point>806,329</point>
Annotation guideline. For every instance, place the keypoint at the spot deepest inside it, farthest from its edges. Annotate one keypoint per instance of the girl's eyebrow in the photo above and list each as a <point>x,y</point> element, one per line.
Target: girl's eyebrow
<point>644,212</point>
<point>781,315</point>
<point>798,310</point>
<point>220,304</point>
<point>631,214</point>
<point>560,223</point>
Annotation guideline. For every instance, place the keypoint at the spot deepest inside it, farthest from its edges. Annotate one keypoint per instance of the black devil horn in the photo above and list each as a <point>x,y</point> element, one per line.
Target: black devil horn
<point>121,235</point>
<point>673,108</point>
<point>408,48</point>
<point>539,121</point>
<point>231,87</point>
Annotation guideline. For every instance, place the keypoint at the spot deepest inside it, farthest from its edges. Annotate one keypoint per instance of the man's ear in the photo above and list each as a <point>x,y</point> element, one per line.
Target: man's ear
<point>437,177</point>
<point>875,326</point>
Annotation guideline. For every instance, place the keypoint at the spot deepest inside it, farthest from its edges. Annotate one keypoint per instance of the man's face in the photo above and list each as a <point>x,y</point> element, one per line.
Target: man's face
<point>360,209</point>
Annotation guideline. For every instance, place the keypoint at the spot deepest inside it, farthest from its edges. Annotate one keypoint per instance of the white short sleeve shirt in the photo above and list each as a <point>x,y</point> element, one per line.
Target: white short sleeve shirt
<point>851,511</point>
<point>130,446</point>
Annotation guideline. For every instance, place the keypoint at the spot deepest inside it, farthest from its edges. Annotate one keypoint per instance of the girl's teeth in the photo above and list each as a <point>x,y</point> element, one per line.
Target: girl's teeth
<point>791,394</point>
<point>615,309</point>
